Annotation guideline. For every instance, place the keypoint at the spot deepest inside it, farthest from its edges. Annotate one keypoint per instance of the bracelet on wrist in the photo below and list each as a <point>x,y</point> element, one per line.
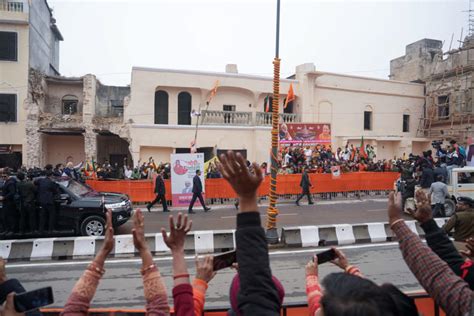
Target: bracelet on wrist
<point>143,271</point>
<point>95,268</point>
<point>179,276</point>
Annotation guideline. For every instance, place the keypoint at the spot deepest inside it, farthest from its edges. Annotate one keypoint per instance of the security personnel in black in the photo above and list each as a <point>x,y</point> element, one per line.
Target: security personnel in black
<point>10,200</point>
<point>197,193</point>
<point>160,191</point>
<point>47,190</point>
<point>27,191</point>
<point>305,184</point>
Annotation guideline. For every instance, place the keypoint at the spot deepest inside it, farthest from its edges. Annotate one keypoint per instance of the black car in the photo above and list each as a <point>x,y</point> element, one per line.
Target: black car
<point>81,210</point>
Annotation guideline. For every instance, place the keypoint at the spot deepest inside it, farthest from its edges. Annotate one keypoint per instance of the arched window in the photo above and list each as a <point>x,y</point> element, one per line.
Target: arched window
<point>184,108</point>
<point>368,124</point>
<point>69,104</point>
<point>161,107</point>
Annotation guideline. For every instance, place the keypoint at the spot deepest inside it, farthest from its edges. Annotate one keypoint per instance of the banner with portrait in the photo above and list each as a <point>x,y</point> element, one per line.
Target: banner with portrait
<point>291,134</point>
<point>183,170</point>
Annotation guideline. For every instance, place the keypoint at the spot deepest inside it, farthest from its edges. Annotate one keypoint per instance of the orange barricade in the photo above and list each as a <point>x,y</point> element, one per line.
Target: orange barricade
<point>143,190</point>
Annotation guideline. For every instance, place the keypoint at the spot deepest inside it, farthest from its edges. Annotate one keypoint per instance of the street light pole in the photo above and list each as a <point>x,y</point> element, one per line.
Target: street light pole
<point>272,211</point>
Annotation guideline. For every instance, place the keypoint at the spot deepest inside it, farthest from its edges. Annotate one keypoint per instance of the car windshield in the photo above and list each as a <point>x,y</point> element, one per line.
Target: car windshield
<point>76,187</point>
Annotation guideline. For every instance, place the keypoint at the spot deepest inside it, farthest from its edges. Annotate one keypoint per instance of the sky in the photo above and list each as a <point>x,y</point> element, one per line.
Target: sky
<point>109,37</point>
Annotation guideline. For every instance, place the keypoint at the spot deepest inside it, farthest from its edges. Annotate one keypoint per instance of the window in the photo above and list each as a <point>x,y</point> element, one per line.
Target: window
<point>116,107</point>
<point>7,107</point>
<point>70,104</point>
<point>367,120</point>
<point>184,108</point>
<point>406,123</point>
<point>229,108</point>
<point>8,46</point>
<point>161,107</point>
<point>443,107</point>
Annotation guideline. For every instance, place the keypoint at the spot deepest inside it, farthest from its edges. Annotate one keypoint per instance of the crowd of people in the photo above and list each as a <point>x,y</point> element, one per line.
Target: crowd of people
<point>445,273</point>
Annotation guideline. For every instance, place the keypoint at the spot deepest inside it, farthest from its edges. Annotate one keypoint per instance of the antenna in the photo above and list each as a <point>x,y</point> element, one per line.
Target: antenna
<point>471,17</point>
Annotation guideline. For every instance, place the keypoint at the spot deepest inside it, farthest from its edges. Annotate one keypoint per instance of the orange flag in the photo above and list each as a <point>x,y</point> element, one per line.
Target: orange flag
<point>213,91</point>
<point>291,95</point>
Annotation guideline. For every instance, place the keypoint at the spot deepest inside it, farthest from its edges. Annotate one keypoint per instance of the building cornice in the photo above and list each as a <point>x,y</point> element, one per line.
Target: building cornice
<point>201,127</point>
<point>370,92</point>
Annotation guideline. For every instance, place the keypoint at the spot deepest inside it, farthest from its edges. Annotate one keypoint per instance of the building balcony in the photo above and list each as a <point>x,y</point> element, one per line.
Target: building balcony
<point>11,6</point>
<point>245,118</point>
<point>226,118</point>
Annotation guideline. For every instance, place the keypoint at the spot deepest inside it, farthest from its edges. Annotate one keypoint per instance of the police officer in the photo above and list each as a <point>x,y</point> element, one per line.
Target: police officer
<point>47,190</point>
<point>27,191</point>
<point>463,220</point>
<point>197,193</point>
<point>10,199</point>
<point>305,184</point>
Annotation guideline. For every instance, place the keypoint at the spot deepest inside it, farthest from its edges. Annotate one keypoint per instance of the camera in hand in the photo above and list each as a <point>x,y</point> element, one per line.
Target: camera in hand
<point>32,300</point>
<point>326,256</point>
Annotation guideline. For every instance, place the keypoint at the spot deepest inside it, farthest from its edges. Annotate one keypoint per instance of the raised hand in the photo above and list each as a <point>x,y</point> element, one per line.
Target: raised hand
<point>175,239</point>
<point>138,231</point>
<point>312,267</point>
<point>204,268</point>
<point>3,275</point>
<point>341,260</point>
<point>470,246</point>
<point>423,211</point>
<point>394,207</point>
<point>109,240</point>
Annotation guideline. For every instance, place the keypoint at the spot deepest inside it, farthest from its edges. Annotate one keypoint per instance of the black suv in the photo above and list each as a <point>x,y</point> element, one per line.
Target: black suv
<point>81,210</point>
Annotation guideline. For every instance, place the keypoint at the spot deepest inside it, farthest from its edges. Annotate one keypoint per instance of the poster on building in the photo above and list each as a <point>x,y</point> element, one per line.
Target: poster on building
<point>336,172</point>
<point>303,134</point>
<point>183,170</point>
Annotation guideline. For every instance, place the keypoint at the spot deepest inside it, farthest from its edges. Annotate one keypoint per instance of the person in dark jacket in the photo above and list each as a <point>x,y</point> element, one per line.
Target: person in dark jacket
<point>440,243</point>
<point>427,176</point>
<point>47,190</point>
<point>160,191</point>
<point>27,191</point>
<point>305,184</point>
<point>258,294</point>
<point>197,193</point>
<point>10,201</point>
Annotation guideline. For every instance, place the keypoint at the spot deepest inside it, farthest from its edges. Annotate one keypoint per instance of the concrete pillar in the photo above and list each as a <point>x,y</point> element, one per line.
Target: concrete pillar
<point>90,145</point>
<point>88,113</point>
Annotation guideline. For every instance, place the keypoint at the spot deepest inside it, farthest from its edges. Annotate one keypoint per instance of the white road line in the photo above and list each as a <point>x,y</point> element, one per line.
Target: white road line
<point>379,210</point>
<point>264,215</point>
<point>170,258</point>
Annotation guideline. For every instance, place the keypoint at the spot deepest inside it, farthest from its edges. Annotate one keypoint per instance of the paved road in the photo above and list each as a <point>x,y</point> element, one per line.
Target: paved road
<point>122,286</point>
<point>322,213</point>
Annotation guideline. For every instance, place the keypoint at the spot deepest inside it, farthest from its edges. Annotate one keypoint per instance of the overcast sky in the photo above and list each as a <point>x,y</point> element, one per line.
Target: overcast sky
<point>108,37</point>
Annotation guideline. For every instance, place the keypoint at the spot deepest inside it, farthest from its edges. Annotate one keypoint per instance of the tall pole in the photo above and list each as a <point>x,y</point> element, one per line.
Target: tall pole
<point>272,211</point>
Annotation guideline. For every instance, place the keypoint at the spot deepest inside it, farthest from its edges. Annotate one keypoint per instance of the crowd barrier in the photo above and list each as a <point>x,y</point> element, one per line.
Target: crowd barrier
<point>143,190</point>
<point>426,307</point>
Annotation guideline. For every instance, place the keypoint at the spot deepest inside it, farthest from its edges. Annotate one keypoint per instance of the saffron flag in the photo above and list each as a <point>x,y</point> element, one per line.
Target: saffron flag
<point>213,91</point>
<point>266,104</point>
<point>362,152</point>
<point>291,95</point>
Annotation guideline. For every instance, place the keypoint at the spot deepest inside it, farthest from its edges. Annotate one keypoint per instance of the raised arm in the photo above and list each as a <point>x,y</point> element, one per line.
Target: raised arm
<point>313,287</point>
<point>83,292</point>
<point>182,290</point>
<point>448,290</point>
<point>204,275</point>
<point>153,285</point>
<point>258,294</point>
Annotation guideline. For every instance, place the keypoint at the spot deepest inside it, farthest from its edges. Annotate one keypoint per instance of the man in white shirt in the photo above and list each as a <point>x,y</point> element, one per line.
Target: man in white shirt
<point>438,193</point>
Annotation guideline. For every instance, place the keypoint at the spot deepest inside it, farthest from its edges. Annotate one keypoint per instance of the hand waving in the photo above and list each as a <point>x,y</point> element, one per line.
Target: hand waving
<point>394,207</point>
<point>175,239</point>
<point>138,231</point>
<point>109,240</point>
<point>423,211</point>
<point>204,269</point>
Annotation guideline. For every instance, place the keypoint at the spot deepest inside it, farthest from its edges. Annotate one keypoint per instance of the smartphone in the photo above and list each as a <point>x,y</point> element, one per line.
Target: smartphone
<point>326,256</point>
<point>224,260</point>
<point>32,300</point>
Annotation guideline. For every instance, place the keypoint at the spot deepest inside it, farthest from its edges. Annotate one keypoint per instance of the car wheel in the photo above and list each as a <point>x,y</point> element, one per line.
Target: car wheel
<point>93,226</point>
<point>449,208</point>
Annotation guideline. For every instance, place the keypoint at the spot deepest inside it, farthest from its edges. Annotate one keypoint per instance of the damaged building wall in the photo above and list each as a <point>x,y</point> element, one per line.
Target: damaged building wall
<point>60,92</point>
<point>90,137</point>
<point>110,100</point>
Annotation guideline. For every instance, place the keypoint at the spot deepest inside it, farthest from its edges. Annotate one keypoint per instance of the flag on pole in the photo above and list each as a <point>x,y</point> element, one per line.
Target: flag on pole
<point>291,95</point>
<point>213,91</point>
<point>266,104</point>
<point>362,152</point>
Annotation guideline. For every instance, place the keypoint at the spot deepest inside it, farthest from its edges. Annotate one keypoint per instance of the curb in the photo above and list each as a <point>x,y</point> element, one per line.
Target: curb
<point>345,234</point>
<point>199,242</point>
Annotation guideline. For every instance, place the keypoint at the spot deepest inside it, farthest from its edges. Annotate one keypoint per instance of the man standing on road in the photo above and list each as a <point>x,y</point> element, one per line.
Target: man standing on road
<point>462,221</point>
<point>160,191</point>
<point>10,199</point>
<point>47,190</point>
<point>438,194</point>
<point>305,184</point>
<point>27,191</point>
<point>197,193</point>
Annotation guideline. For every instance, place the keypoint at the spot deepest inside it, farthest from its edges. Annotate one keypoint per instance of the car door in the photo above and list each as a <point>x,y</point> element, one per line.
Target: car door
<point>465,184</point>
<point>66,212</point>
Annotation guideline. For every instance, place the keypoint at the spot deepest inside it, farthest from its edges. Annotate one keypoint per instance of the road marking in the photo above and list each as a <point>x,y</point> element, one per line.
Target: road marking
<point>191,257</point>
<point>263,215</point>
<point>379,210</point>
